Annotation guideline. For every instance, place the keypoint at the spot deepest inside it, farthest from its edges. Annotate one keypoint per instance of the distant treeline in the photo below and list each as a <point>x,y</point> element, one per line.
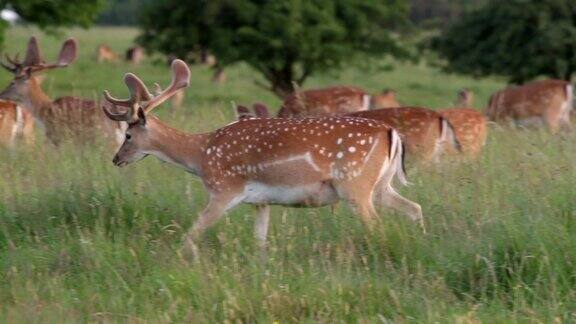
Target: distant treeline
<point>441,12</point>
<point>429,12</point>
<point>122,12</point>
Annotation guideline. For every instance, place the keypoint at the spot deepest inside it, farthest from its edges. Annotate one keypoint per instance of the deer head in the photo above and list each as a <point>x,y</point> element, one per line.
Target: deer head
<point>24,84</point>
<point>143,133</point>
<point>465,98</point>
<point>260,110</point>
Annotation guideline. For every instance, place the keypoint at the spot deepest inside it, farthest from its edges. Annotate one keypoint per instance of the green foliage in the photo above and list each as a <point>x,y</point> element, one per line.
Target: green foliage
<point>122,12</point>
<point>521,39</point>
<point>285,40</point>
<point>54,13</point>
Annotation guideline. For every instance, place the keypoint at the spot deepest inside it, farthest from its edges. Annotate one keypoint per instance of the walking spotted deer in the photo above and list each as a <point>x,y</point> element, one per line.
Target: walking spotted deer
<point>546,101</point>
<point>294,162</point>
<point>15,124</point>
<point>469,124</point>
<point>63,117</point>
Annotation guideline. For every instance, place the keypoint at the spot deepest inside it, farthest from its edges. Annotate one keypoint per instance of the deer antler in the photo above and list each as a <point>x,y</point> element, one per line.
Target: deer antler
<point>139,93</point>
<point>66,57</point>
<point>13,66</point>
<point>33,56</point>
<point>180,80</point>
<point>125,116</point>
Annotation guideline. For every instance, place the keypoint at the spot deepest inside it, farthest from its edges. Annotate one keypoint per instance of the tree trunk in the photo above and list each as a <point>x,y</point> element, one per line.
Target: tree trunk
<point>282,81</point>
<point>568,75</point>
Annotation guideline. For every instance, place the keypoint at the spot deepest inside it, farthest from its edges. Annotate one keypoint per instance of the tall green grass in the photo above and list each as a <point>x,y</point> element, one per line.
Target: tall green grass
<point>81,240</point>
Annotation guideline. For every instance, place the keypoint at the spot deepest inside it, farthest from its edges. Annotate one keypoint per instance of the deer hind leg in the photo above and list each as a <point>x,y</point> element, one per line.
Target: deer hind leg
<point>261,225</point>
<point>213,212</point>
<point>390,198</point>
<point>359,198</point>
<point>358,191</point>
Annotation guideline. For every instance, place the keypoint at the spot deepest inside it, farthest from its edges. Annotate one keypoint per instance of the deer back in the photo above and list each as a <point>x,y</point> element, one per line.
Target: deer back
<point>420,128</point>
<point>321,149</point>
<point>469,126</point>
<point>533,99</point>
<point>326,101</point>
<point>385,99</point>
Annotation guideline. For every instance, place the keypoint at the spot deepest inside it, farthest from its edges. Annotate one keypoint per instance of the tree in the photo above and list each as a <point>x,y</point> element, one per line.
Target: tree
<point>521,39</point>
<point>121,12</point>
<point>53,13</point>
<point>285,40</point>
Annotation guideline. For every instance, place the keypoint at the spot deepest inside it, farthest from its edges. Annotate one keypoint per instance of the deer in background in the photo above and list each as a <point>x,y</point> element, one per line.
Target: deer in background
<point>105,54</point>
<point>464,98</point>
<point>548,102</point>
<point>384,99</point>
<point>335,100</point>
<point>424,131</point>
<point>135,55</point>
<point>294,162</point>
<point>15,124</point>
<point>66,116</point>
<point>326,101</point>
<point>470,125</point>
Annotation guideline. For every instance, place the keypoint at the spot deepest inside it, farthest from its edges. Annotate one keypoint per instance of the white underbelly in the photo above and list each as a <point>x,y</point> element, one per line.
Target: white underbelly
<point>314,194</point>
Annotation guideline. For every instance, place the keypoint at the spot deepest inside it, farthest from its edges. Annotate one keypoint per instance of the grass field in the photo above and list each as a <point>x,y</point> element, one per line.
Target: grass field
<point>81,240</point>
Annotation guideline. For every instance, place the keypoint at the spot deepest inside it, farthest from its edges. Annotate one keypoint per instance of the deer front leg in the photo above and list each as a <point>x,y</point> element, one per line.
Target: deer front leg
<point>261,225</point>
<point>213,212</point>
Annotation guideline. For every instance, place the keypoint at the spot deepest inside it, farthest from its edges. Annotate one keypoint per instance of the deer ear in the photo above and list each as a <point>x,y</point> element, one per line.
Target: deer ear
<point>261,110</point>
<point>141,116</point>
<point>242,111</point>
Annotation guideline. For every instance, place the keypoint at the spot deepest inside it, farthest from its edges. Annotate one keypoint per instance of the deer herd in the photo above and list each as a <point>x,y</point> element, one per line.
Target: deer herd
<point>326,145</point>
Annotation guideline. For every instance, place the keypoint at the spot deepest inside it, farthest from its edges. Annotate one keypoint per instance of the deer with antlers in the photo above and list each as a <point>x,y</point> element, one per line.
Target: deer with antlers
<point>61,118</point>
<point>295,162</point>
<point>547,101</point>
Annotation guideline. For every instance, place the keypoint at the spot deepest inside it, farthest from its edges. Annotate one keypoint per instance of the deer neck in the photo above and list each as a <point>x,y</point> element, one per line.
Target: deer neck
<point>37,101</point>
<point>173,146</point>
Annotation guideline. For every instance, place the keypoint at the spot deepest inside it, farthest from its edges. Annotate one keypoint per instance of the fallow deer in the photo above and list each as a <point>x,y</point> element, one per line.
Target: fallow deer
<point>547,101</point>
<point>325,101</point>
<point>465,99</point>
<point>385,99</point>
<point>66,116</point>
<point>295,162</point>
<point>469,124</point>
<point>105,54</point>
<point>424,131</point>
<point>135,55</point>
<point>15,124</point>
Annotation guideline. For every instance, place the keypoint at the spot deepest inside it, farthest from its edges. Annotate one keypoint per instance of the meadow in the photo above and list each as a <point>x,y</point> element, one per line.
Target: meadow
<point>84,241</point>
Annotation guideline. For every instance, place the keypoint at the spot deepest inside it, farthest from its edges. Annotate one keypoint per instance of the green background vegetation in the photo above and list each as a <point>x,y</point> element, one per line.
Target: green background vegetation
<point>81,240</point>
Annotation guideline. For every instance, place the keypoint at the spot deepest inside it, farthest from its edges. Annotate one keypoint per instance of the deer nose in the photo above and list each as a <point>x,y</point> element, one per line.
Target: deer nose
<point>115,160</point>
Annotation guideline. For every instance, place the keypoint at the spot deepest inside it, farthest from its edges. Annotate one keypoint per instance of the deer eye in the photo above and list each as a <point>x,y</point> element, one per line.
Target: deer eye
<point>128,137</point>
